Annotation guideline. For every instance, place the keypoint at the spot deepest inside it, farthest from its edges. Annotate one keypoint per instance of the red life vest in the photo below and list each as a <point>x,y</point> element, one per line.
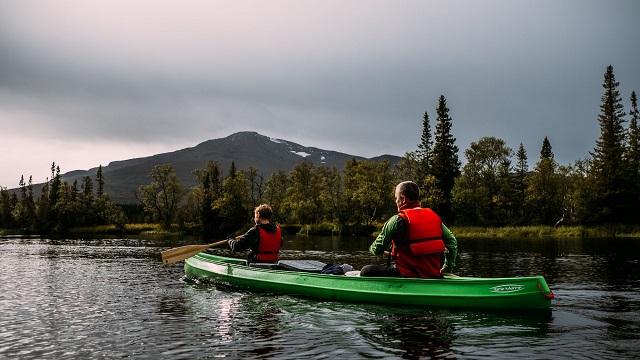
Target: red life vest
<point>269,245</point>
<point>417,254</point>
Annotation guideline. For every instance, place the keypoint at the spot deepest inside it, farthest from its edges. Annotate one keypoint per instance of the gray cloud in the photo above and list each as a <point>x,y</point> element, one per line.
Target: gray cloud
<point>351,76</point>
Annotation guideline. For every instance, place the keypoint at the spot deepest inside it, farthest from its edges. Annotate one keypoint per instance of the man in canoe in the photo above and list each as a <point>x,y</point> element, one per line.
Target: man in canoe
<point>418,238</point>
<point>264,240</point>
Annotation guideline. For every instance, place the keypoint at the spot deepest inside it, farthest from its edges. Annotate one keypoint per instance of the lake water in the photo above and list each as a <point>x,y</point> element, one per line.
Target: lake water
<point>112,298</point>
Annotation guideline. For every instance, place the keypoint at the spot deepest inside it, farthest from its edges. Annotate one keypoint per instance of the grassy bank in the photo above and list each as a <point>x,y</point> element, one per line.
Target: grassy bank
<point>129,229</point>
<point>372,230</point>
<point>485,232</point>
<point>546,231</point>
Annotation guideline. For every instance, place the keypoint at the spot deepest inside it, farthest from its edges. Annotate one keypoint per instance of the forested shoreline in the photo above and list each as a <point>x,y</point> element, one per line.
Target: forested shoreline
<point>596,195</point>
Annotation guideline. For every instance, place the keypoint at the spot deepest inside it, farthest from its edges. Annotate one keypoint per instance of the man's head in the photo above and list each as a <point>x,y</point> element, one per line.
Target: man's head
<point>406,191</point>
<point>263,212</point>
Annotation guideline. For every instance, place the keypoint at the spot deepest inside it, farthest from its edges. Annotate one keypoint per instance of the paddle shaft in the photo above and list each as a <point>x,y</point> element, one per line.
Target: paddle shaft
<point>180,253</point>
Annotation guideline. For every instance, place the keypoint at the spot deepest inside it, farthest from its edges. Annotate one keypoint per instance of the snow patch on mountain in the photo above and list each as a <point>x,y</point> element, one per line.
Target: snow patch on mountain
<point>300,153</point>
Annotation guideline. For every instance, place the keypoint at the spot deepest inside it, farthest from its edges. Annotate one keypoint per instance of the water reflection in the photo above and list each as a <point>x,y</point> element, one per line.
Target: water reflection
<point>227,311</point>
<point>172,305</point>
<point>265,317</point>
<point>414,336</point>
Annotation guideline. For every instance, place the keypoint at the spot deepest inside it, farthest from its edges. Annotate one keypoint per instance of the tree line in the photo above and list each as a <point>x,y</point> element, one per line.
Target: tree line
<point>59,205</point>
<point>489,190</point>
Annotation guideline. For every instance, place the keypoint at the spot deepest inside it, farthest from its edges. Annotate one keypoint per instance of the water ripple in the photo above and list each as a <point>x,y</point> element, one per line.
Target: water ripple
<point>111,298</point>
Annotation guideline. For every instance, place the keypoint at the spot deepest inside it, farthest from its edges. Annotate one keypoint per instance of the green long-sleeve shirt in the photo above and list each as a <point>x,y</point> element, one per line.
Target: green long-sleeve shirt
<point>395,227</point>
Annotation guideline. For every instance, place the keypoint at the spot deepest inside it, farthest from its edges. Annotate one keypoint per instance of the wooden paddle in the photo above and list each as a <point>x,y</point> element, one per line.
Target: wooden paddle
<point>180,253</point>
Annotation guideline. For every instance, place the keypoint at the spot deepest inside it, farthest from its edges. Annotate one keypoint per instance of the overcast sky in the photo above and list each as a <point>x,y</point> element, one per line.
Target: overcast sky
<point>84,83</point>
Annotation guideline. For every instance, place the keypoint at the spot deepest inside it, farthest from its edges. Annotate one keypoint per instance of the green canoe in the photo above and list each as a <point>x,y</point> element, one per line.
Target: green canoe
<point>452,291</point>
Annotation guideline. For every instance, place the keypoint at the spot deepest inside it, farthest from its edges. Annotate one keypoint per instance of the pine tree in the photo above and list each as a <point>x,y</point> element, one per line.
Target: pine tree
<point>42,210</point>
<point>24,212</point>
<point>8,202</point>
<point>545,152</point>
<point>633,151</point>
<point>544,189</point>
<point>233,205</point>
<point>520,185</point>
<point>633,143</point>
<point>232,170</point>
<point>446,165</point>
<point>100,181</point>
<point>424,153</point>
<point>49,213</point>
<point>30,205</point>
<point>609,195</point>
<point>87,198</point>
<point>210,185</point>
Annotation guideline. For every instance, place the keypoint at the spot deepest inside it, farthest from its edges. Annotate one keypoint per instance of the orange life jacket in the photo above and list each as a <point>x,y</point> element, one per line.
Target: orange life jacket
<point>269,245</point>
<point>418,253</point>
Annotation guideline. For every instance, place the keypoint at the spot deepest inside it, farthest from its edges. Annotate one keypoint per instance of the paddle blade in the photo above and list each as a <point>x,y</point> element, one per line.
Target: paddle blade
<point>184,252</point>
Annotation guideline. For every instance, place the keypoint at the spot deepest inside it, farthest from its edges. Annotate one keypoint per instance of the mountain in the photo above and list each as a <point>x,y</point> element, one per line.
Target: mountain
<point>246,149</point>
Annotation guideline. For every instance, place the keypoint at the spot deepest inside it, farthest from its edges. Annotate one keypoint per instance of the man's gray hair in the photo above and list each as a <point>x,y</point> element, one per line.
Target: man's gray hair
<point>409,189</point>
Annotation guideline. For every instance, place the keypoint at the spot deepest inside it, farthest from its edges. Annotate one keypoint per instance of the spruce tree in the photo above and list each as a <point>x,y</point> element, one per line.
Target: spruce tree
<point>633,143</point>
<point>100,182</point>
<point>210,184</point>
<point>519,186</point>
<point>54,196</point>
<point>87,192</point>
<point>25,210</point>
<point>233,204</point>
<point>608,196</point>
<point>633,151</point>
<point>424,153</point>
<point>232,170</point>
<point>446,165</point>
<point>8,202</point>
<point>545,152</point>
<point>544,189</point>
<point>31,206</point>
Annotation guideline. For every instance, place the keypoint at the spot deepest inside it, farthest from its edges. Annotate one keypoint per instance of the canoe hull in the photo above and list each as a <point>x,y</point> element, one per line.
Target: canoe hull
<point>457,292</point>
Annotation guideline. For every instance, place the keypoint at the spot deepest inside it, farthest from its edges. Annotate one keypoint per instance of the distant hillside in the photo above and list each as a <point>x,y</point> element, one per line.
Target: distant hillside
<point>246,149</point>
